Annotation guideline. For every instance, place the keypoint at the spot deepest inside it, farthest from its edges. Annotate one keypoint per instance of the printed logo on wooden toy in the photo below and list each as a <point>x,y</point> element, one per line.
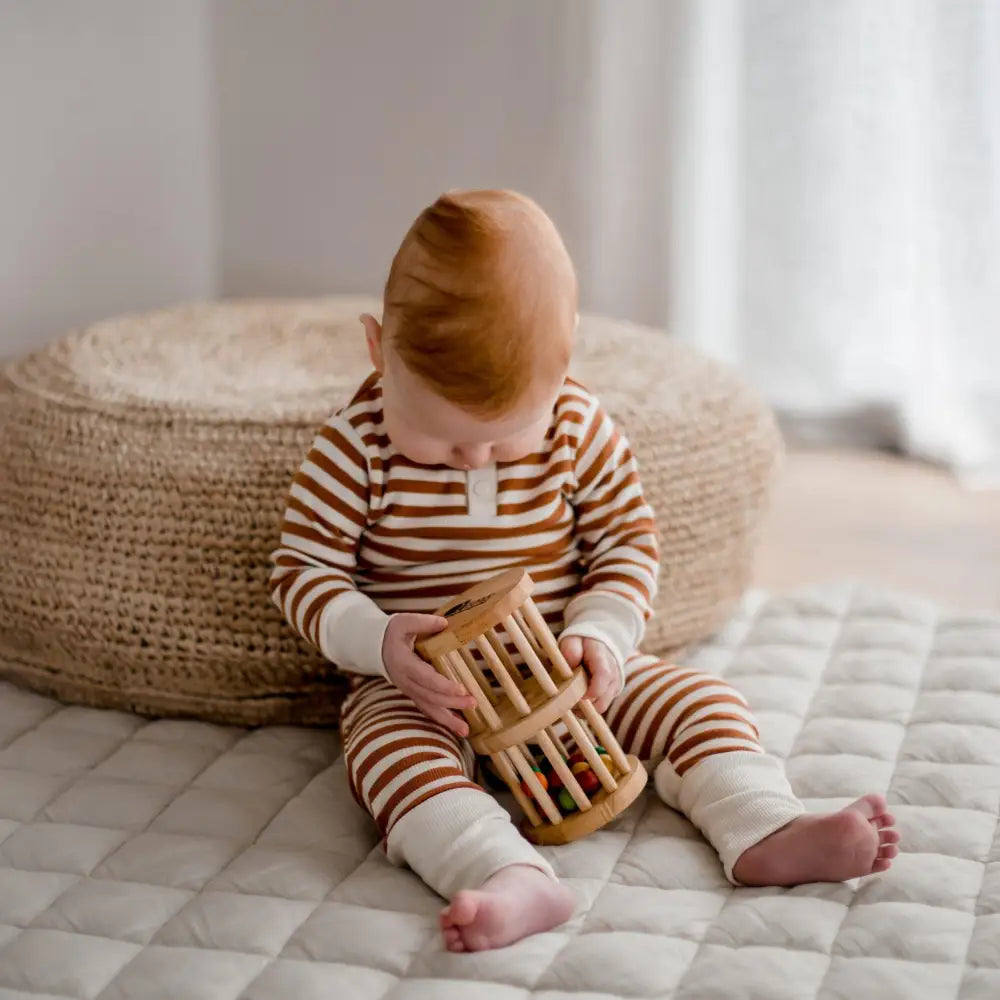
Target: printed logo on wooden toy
<point>466,605</point>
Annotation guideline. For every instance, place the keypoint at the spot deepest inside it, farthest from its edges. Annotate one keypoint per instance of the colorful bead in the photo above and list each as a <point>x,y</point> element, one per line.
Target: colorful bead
<point>589,781</point>
<point>608,762</point>
<point>565,800</point>
<point>542,780</point>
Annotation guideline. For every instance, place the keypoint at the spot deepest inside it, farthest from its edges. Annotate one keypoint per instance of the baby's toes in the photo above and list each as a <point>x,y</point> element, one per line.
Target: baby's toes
<point>453,939</point>
<point>884,820</point>
<point>888,836</point>
<point>883,860</point>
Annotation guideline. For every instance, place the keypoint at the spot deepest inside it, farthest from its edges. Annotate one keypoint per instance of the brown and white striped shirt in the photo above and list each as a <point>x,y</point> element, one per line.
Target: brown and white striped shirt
<point>367,532</point>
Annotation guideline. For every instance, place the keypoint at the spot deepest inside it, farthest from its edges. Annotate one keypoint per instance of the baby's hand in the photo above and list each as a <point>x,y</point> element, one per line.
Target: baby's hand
<point>434,695</point>
<point>600,664</point>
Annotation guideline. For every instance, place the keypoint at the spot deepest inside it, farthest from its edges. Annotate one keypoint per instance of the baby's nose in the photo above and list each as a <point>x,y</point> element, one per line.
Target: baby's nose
<point>473,456</point>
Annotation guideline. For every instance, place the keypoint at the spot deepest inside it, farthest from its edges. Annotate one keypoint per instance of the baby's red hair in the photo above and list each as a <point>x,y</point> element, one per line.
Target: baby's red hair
<point>481,300</point>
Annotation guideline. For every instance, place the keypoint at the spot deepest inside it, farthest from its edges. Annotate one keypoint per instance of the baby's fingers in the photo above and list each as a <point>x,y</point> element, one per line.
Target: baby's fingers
<point>461,700</point>
<point>571,648</point>
<point>595,686</point>
<point>451,721</point>
<point>422,674</point>
<point>604,674</point>
<point>607,695</point>
<point>599,679</point>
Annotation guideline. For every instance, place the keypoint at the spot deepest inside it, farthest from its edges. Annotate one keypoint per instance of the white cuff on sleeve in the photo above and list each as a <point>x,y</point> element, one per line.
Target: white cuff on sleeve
<point>351,631</point>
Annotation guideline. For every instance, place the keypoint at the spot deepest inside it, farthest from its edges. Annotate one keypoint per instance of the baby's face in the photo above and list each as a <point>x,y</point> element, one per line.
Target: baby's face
<point>431,431</point>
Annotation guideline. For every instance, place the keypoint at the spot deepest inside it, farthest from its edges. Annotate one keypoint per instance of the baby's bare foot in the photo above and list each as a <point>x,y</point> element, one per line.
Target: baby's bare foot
<point>856,841</point>
<point>517,901</point>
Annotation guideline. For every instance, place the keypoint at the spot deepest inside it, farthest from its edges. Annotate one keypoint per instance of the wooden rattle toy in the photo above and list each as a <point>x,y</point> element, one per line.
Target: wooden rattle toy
<point>567,793</point>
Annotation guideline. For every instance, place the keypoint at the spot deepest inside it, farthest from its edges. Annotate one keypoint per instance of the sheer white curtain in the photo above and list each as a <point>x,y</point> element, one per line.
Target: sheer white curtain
<point>811,191</point>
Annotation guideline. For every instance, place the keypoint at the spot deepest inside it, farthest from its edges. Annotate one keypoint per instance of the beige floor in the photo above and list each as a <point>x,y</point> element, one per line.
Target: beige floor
<point>873,517</point>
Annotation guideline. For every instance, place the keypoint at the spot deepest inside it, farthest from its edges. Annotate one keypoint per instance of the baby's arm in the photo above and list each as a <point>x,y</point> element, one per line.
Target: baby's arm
<point>616,536</point>
<point>312,579</point>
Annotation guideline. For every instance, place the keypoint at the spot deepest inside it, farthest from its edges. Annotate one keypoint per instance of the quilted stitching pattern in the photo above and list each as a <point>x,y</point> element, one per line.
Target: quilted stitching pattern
<point>175,859</point>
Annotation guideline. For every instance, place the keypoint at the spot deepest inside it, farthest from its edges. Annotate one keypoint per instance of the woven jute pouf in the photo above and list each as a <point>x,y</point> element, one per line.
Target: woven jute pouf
<point>144,464</point>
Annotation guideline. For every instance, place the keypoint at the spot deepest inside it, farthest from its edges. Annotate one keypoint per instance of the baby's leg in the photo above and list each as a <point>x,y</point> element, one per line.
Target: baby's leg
<point>414,777</point>
<point>714,770</point>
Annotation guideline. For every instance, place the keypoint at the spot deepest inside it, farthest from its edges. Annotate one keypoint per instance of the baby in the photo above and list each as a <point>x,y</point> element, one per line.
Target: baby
<point>468,451</point>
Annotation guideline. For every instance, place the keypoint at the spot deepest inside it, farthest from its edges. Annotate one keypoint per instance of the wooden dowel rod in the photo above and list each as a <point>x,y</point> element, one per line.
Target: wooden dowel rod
<point>473,665</point>
<point>535,665</point>
<point>502,764</point>
<point>472,716</point>
<point>469,683</point>
<point>558,740</point>
<point>558,762</point>
<point>539,794</point>
<point>586,747</point>
<point>500,648</point>
<point>605,737</point>
<point>529,634</point>
<point>501,673</point>
<point>544,635</point>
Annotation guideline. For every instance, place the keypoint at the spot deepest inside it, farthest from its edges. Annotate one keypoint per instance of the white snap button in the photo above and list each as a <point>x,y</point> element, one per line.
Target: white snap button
<point>482,489</point>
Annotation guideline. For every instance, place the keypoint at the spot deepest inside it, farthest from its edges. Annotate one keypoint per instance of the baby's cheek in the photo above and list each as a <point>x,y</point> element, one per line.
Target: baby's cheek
<point>420,452</point>
<point>414,447</point>
<point>511,451</point>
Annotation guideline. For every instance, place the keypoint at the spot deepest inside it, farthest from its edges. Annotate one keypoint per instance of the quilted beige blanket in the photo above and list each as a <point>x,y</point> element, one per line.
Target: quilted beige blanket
<point>184,861</point>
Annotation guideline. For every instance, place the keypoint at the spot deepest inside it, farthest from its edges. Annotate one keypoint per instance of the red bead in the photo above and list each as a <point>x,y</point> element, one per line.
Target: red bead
<point>588,781</point>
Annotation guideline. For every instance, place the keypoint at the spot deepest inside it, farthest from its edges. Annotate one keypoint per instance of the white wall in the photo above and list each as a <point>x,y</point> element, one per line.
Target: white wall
<point>339,121</point>
<point>156,152</point>
<point>106,162</point>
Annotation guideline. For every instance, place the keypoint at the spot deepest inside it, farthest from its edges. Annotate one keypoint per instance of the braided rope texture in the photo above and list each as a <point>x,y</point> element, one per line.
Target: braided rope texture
<point>144,463</point>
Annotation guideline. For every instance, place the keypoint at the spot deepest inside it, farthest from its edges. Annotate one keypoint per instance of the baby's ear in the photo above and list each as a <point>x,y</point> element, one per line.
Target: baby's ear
<point>373,335</point>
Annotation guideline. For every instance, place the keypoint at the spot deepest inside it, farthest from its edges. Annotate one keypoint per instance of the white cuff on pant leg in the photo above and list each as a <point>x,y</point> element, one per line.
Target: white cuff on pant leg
<point>458,839</point>
<point>736,799</point>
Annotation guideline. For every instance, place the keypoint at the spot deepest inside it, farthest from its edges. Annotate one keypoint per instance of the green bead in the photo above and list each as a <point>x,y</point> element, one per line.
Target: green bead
<point>566,803</point>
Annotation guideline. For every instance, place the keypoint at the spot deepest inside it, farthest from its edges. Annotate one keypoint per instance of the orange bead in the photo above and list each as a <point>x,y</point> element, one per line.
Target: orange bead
<point>542,780</point>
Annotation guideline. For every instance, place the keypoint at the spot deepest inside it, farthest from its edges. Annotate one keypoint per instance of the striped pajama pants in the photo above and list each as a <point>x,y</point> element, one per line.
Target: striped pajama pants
<point>415,777</point>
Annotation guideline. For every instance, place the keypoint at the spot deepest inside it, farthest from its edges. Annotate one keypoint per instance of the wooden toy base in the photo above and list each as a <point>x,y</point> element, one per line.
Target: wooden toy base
<point>604,808</point>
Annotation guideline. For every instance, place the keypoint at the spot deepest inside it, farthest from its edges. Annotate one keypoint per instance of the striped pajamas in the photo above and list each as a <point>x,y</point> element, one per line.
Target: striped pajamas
<point>679,713</point>
<point>404,769</point>
<point>368,533</point>
<point>397,757</point>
